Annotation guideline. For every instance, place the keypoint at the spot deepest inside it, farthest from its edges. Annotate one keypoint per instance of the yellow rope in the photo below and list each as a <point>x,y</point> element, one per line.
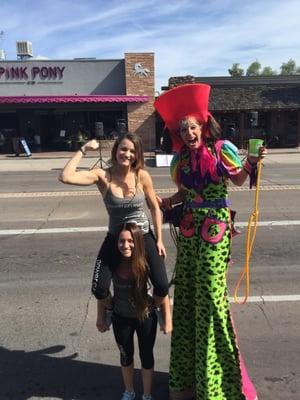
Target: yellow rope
<point>251,233</point>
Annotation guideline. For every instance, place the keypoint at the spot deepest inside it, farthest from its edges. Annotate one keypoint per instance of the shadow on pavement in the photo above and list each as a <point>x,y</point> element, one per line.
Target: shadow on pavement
<point>39,374</point>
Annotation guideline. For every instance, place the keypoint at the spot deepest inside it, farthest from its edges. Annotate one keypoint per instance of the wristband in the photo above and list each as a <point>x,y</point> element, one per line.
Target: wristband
<point>82,151</point>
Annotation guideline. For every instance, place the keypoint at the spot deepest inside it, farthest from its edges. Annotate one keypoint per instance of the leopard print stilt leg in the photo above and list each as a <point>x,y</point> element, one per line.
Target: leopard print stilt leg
<point>204,355</point>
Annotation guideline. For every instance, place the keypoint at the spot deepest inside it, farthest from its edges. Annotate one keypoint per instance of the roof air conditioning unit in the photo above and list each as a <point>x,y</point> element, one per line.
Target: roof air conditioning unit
<point>24,49</point>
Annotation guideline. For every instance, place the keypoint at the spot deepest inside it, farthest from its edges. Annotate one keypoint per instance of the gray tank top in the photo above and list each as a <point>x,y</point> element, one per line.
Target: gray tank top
<point>128,209</point>
<point>123,282</point>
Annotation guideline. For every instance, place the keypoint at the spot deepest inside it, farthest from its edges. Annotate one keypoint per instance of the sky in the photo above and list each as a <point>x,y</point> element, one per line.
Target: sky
<point>200,38</point>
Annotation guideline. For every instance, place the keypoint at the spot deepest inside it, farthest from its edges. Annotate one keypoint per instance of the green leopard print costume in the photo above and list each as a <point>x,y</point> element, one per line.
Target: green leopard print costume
<point>204,355</point>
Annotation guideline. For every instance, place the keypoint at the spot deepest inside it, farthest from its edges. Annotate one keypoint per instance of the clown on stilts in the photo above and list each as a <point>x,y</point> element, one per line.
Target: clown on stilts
<point>205,361</point>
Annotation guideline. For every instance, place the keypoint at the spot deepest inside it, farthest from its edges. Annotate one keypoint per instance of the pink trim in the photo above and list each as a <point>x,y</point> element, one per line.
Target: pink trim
<point>247,385</point>
<point>73,99</point>
<point>208,222</point>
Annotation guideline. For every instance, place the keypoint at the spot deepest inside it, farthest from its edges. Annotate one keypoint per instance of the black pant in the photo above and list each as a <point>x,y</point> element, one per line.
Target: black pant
<point>124,329</point>
<point>109,258</point>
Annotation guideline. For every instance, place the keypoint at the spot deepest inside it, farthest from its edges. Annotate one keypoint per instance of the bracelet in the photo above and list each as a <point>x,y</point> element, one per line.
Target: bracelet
<point>82,151</point>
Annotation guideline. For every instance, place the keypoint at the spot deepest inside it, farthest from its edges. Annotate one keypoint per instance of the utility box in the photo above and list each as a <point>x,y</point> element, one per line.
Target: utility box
<point>24,49</point>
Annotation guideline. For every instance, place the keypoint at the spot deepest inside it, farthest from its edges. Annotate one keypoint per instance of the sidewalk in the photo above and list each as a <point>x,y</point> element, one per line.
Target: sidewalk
<point>48,161</point>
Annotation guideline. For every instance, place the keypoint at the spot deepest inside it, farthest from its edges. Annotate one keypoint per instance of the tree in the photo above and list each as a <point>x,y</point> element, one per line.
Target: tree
<point>268,71</point>
<point>236,70</point>
<point>253,69</point>
<point>288,68</point>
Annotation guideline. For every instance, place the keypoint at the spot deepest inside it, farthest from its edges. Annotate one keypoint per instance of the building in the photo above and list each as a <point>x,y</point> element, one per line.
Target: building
<point>266,107</point>
<point>57,104</point>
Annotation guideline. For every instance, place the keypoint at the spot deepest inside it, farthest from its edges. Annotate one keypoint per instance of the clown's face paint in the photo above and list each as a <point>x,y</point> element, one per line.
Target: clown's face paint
<point>191,132</point>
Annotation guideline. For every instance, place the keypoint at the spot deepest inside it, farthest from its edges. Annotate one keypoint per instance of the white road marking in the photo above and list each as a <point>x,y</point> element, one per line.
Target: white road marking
<point>269,299</point>
<point>271,223</point>
<point>80,229</point>
<point>265,299</point>
<point>53,230</point>
<point>95,192</point>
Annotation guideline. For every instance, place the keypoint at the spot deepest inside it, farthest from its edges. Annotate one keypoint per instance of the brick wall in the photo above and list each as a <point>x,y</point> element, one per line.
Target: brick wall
<point>141,118</point>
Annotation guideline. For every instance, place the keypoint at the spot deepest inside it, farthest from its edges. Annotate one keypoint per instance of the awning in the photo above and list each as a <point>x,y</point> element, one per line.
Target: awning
<point>73,99</point>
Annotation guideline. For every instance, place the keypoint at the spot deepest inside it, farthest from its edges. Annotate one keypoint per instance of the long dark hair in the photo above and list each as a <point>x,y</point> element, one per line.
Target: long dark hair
<point>140,271</point>
<point>139,153</point>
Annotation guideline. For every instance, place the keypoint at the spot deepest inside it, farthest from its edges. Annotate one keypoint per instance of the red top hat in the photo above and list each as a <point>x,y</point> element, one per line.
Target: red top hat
<point>183,101</point>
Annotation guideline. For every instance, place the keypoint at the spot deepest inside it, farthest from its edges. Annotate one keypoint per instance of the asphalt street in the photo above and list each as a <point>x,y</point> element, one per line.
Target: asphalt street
<point>50,234</point>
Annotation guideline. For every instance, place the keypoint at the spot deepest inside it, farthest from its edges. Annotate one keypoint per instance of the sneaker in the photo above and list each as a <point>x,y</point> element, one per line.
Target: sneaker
<point>147,397</point>
<point>128,395</point>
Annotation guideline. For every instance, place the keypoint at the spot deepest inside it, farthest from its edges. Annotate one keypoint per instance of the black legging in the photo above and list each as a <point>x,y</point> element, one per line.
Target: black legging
<point>108,258</point>
<point>124,329</point>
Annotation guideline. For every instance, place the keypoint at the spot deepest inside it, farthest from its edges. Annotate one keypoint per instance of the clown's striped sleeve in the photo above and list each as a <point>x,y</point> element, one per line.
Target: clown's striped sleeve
<point>230,158</point>
<point>174,168</point>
